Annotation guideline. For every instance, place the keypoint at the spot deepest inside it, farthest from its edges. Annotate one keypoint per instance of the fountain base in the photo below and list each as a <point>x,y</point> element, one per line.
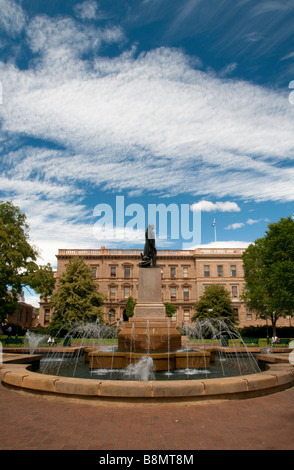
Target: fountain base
<point>162,361</point>
<point>148,336</point>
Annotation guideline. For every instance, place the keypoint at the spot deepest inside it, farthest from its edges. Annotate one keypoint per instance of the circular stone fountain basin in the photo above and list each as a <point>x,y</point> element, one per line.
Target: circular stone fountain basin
<point>277,377</point>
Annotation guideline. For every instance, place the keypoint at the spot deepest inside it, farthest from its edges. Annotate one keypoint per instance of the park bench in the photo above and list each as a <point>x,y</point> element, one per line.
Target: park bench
<point>251,341</point>
<point>15,340</point>
<point>284,341</point>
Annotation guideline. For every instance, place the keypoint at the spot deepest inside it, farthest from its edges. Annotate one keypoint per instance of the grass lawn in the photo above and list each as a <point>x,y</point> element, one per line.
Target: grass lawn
<point>113,342</point>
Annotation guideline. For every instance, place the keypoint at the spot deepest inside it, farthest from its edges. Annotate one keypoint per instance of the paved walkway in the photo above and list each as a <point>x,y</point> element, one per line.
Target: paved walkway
<point>29,422</point>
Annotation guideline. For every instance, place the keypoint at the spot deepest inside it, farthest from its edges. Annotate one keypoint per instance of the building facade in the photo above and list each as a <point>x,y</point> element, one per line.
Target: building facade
<point>185,274</point>
<point>25,316</point>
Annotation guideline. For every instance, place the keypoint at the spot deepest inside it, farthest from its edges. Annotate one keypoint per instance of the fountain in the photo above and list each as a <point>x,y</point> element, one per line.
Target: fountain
<point>149,332</point>
<point>149,340</point>
<point>141,370</point>
<point>148,345</point>
<point>34,340</point>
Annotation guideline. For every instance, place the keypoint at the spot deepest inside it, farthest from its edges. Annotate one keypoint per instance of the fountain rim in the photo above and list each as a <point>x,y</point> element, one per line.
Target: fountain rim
<point>278,376</point>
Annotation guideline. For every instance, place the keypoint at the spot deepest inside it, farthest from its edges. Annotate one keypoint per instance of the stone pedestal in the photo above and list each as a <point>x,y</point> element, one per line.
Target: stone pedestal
<point>149,305</point>
<point>149,329</point>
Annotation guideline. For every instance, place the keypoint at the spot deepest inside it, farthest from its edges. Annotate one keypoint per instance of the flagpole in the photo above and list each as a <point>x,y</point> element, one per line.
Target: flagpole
<point>214,226</point>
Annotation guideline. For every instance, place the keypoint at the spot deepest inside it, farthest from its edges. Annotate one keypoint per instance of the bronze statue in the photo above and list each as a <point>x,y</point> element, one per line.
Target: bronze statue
<point>150,252</point>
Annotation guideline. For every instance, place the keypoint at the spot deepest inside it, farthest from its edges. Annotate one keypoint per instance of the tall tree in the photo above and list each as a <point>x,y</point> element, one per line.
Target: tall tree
<point>76,297</point>
<point>214,303</point>
<point>18,261</point>
<point>269,272</point>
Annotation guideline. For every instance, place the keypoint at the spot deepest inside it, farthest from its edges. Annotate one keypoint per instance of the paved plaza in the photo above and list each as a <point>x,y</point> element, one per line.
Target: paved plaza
<point>29,422</point>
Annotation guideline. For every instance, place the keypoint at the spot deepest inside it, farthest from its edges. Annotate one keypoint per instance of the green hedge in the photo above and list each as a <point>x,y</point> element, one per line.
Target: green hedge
<point>260,332</point>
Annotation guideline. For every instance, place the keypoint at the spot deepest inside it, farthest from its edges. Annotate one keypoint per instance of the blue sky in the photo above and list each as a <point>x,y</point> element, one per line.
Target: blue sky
<point>159,101</point>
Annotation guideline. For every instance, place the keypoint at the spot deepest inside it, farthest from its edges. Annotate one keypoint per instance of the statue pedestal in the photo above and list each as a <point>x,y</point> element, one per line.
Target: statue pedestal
<point>149,329</point>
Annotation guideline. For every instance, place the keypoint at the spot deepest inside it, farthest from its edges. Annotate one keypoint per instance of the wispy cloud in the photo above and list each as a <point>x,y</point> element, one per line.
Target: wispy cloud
<point>141,123</point>
<point>248,222</point>
<point>256,221</point>
<point>235,226</point>
<point>155,113</point>
<point>86,10</point>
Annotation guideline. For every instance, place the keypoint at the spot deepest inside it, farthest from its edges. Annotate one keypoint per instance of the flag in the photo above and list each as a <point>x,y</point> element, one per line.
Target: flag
<point>213,223</point>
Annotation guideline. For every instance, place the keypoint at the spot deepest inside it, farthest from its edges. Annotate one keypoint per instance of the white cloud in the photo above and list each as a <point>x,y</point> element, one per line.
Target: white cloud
<point>232,244</point>
<point>12,18</point>
<point>86,10</point>
<point>235,226</point>
<point>154,113</point>
<point>219,206</point>
<point>256,221</point>
<point>132,123</point>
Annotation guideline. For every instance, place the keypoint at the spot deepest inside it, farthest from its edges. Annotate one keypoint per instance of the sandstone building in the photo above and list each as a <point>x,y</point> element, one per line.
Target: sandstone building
<point>184,273</point>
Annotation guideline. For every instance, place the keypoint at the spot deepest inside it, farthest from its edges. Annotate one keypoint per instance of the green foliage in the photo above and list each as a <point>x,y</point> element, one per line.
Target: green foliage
<point>130,307</point>
<point>269,272</point>
<point>76,297</point>
<point>215,303</point>
<point>261,332</point>
<point>170,310</point>
<point>18,266</point>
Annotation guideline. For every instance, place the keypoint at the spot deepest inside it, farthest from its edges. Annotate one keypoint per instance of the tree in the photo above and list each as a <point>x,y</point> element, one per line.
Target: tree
<point>76,297</point>
<point>18,261</point>
<point>214,303</point>
<point>130,305</point>
<point>269,272</point>
<point>170,309</point>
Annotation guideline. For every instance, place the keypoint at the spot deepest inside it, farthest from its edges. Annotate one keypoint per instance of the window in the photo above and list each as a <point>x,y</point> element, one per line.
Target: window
<point>234,291</point>
<point>173,293</point>
<point>161,272</point>
<point>233,270</point>
<point>113,271</point>
<point>206,270</point>
<point>94,272</point>
<point>47,315</point>
<point>236,313</point>
<point>220,270</point>
<point>111,315</point>
<point>185,272</point>
<point>186,293</point>
<point>186,315</point>
<point>126,292</point>
<point>127,272</point>
<point>249,315</point>
<point>172,272</point>
<point>112,292</point>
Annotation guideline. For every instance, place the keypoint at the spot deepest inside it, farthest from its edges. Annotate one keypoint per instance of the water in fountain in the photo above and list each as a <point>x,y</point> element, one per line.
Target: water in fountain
<point>34,340</point>
<point>80,335</point>
<point>148,337</point>
<point>142,370</point>
<point>216,329</point>
<point>1,353</point>
<point>132,341</point>
<point>229,363</point>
